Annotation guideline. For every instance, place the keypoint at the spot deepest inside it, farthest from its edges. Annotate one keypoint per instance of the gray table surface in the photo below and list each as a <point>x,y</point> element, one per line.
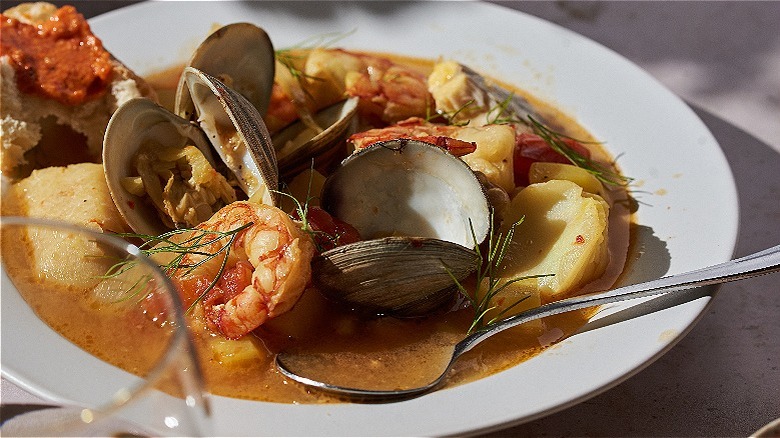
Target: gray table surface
<point>723,59</point>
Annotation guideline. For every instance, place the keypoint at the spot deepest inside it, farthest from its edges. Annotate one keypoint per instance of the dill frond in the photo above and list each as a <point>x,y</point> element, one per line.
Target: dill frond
<point>556,141</point>
<point>488,264</point>
<point>199,243</point>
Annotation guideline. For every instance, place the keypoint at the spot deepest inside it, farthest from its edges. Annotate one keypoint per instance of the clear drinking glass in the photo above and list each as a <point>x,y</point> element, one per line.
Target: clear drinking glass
<point>70,295</point>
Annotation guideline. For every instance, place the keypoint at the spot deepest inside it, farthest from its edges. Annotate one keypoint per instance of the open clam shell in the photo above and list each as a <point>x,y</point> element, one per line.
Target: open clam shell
<point>434,210</point>
<point>241,56</point>
<point>238,133</point>
<point>398,276</point>
<point>226,123</point>
<point>409,188</point>
<point>299,144</point>
<point>132,125</point>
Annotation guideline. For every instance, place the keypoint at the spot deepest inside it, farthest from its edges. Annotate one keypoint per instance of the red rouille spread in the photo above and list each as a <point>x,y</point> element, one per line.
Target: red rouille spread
<point>59,59</point>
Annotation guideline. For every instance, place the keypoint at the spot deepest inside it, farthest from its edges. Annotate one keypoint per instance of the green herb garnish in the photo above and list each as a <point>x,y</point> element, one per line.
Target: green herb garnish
<point>303,213</point>
<point>488,266</point>
<point>501,113</point>
<point>451,116</point>
<point>556,141</point>
<point>199,243</point>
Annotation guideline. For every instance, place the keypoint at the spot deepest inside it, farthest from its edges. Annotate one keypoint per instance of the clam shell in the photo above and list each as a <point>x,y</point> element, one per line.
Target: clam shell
<point>238,133</point>
<point>132,124</point>
<point>433,207</point>
<point>241,56</point>
<point>297,145</point>
<point>409,188</point>
<point>399,276</point>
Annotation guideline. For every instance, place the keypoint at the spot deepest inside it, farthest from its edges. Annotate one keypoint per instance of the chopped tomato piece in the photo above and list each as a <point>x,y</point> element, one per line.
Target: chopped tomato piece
<point>235,279</point>
<point>329,232</point>
<point>531,148</point>
<point>191,287</point>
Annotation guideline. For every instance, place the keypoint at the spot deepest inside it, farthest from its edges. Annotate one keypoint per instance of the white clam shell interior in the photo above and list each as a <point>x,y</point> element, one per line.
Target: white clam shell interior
<point>409,188</point>
<point>237,132</point>
<point>135,123</point>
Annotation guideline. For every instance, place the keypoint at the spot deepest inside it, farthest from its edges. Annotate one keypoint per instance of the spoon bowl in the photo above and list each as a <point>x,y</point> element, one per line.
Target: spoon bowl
<point>296,367</point>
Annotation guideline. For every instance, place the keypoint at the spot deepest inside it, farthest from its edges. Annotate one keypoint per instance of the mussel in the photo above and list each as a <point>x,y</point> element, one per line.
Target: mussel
<point>422,211</point>
<point>184,191</point>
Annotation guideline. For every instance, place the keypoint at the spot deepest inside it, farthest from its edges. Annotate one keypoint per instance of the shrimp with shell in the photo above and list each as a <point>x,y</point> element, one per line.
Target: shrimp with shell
<point>418,129</point>
<point>268,268</point>
<point>309,80</point>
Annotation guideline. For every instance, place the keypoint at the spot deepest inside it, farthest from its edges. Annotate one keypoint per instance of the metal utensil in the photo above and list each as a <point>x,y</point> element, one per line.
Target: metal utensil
<point>764,262</point>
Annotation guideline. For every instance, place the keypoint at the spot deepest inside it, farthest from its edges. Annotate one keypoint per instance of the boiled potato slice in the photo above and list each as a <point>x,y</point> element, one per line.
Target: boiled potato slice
<point>542,172</point>
<point>307,183</point>
<point>564,233</point>
<point>236,351</point>
<point>508,302</point>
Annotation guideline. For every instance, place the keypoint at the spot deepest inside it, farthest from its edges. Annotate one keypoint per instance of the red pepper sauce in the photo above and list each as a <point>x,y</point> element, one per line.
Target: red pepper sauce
<point>58,59</point>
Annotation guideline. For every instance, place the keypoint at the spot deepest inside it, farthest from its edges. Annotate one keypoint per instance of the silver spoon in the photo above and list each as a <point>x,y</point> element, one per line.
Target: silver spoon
<point>764,262</point>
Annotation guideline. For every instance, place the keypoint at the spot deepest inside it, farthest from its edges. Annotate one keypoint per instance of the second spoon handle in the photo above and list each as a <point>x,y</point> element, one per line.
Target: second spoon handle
<point>760,263</point>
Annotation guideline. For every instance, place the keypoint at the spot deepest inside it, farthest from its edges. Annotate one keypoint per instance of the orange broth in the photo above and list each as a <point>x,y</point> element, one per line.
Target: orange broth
<point>397,350</point>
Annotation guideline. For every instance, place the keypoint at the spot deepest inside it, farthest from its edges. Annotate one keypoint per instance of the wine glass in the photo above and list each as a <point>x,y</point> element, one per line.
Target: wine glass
<point>91,323</point>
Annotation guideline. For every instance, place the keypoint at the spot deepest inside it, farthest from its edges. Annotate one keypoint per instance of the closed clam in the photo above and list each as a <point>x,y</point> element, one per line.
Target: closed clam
<point>158,182</point>
<point>422,211</point>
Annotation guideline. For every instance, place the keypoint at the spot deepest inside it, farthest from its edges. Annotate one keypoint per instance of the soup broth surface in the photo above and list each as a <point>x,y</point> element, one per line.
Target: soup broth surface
<point>388,352</point>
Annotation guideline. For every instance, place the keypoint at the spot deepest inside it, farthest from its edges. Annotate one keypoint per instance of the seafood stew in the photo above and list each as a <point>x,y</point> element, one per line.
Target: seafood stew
<point>267,299</point>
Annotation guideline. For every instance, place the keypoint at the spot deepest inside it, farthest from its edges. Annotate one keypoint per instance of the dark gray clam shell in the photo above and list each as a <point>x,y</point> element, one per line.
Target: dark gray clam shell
<point>430,202</point>
<point>400,276</point>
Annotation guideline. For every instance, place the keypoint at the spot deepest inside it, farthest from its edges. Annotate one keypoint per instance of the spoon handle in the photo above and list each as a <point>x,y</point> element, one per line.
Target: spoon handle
<point>760,263</point>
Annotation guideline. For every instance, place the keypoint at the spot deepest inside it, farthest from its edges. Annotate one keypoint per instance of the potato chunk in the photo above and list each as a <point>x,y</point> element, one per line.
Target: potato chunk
<point>76,194</point>
<point>542,172</point>
<point>236,352</point>
<point>564,233</point>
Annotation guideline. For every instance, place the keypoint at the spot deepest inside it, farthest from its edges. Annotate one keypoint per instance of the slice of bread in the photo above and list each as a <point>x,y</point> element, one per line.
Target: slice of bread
<point>22,115</point>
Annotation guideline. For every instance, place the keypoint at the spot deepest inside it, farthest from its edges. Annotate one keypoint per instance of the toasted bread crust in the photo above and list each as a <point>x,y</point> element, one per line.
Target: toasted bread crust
<point>21,114</point>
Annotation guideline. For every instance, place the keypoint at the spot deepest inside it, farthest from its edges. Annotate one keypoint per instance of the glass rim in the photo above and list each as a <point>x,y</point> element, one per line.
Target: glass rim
<point>180,342</point>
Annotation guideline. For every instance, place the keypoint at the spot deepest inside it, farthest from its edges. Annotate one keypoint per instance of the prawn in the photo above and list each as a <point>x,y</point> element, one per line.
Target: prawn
<point>417,129</point>
<point>268,268</point>
<point>388,92</point>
